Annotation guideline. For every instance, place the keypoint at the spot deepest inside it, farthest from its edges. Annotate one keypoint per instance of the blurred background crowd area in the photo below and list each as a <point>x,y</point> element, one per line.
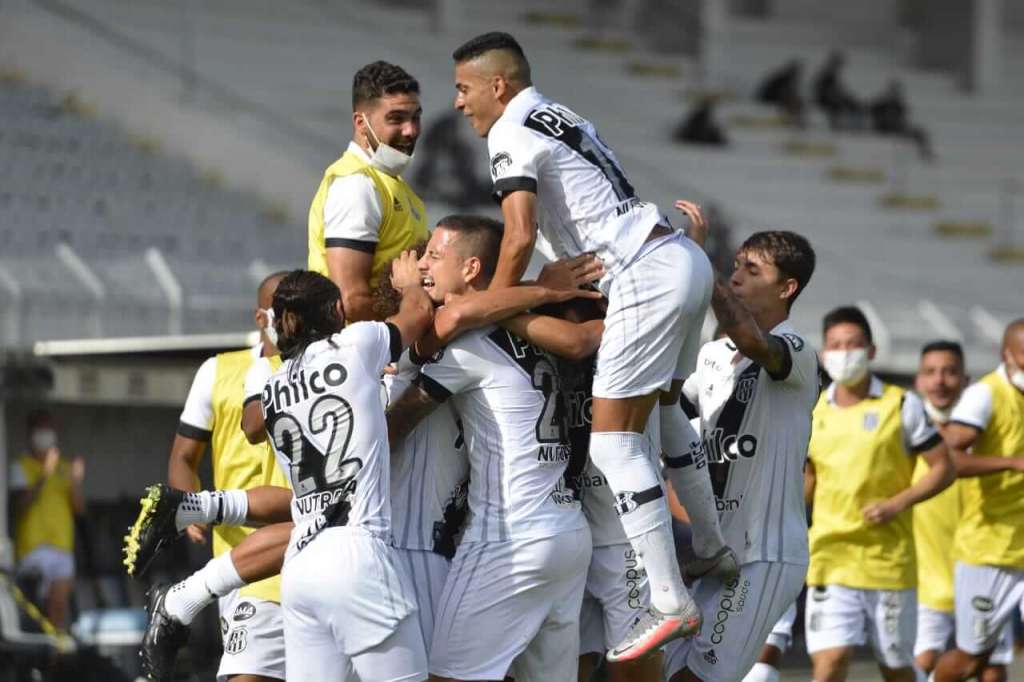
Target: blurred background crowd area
<point>157,159</point>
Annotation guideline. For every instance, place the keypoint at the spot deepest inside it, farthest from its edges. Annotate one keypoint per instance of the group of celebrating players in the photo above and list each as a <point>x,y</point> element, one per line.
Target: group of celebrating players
<point>431,468</point>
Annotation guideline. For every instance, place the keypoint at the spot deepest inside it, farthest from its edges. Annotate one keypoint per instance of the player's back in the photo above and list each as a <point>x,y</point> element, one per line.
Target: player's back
<point>506,393</point>
<point>585,202</point>
<point>326,422</point>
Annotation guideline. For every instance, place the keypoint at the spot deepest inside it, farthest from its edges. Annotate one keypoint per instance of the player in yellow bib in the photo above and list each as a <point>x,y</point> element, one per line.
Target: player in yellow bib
<point>250,617</point>
<point>941,378</point>
<point>862,576</point>
<point>986,435</point>
<point>364,214</point>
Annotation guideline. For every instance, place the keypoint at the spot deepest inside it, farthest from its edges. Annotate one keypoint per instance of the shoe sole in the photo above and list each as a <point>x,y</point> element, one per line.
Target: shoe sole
<point>149,505</point>
<point>670,630</point>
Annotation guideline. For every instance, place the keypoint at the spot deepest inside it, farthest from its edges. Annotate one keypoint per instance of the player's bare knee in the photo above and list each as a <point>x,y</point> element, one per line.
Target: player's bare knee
<point>926,660</point>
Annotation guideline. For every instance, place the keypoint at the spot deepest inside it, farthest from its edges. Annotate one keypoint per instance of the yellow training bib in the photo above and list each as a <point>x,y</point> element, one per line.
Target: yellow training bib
<point>935,523</point>
<point>49,520</point>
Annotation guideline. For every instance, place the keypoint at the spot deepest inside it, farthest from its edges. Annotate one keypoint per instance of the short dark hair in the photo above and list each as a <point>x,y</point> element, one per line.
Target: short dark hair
<point>790,252</point>
<point>847,314</point>
<point>312,298</point>
<point>378,79</point>
<point>944,346</point>
<point>495,40</point>
<point>38,417</point>
<point>483,238</point>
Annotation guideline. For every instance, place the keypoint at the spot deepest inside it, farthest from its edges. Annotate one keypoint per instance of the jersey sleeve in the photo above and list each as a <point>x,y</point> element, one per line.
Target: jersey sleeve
<point>352,214</point>
<point>974,407</point>
<point>801,367</point>
<point>256,378</point>
<point>197,421</point>
<point>516,155</point>
<point>379,343</point>
<point>456,370</point>
<point>919,434</point>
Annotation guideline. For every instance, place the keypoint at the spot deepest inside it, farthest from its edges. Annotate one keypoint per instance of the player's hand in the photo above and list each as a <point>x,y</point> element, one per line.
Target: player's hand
<point>196,534</point>
<point>880,512</point>
<point>78,470</point>
<point>571,273</point>
<point>50,461</point>
<point>405,271</point>
<point>698,231</point>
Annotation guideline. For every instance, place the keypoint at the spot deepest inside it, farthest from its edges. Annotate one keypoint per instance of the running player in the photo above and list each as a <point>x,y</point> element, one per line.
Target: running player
<point>754,390</point>
<point>250,617</point>
<point>548,164</point>
<point>863,574</point>
<point>364,214</point>
<point>989,543</point>
<point>515,587</point>
<point>941,378</point>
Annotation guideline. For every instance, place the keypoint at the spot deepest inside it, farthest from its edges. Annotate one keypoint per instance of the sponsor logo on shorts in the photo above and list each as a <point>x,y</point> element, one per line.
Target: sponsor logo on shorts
<point>711,657</point>
<point>635,577</point>
<point>983,604</point>
<point>236,641</point>
<point>244,611</point>
<point>499,163</point>
<point>732,601</point>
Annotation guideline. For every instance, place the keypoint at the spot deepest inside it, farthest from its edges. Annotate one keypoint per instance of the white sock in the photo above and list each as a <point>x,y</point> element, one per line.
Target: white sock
<point>625,460</point>
<point>686,469</point>
<point>226,507</point>
<point>217,578</point>
<point>762,672</point>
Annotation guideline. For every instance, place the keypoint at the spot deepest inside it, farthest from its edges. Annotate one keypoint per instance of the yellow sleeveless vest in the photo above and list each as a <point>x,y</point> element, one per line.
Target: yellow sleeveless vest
<point>49,520</point>
<point>935,523</point>
<point>859,458</point>
<point>403,221</point>
<point>991,530</point>
<point>236,463</point>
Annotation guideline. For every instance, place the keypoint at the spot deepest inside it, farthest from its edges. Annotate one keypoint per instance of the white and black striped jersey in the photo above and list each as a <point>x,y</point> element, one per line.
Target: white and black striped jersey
<point>755,429</point>
<point>326,422</point>
<point>429,476</point>
<point>585,203</point>
<point>506,394</point>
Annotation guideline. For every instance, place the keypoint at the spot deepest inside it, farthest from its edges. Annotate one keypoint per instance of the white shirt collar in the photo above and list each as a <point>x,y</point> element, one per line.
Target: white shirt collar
<point>523,101</point>
<point>874,390</point>
<point>358,151</point>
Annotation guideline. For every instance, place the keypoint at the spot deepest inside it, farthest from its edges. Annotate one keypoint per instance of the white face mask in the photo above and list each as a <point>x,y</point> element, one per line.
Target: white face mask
<point>385,157</point>
<point>846,367</point>
<point>1016,376</point>
<point>936,414</point>
<point>43,439</point>
<point>270,330</point>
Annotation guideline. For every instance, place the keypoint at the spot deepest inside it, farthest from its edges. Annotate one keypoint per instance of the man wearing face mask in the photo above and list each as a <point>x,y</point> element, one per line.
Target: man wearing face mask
<point>862,577</point>
<point>251,621</point>
<point>47,495</point>
<point>989,542</point>
<point>364,214</point>
<point>941,378</point>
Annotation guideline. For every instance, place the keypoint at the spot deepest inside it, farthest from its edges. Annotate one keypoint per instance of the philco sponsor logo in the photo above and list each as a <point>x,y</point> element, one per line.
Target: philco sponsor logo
<point>636,575</point>
<point>283,394</point>
<point>244,611</point>
<point>734,597</point>
<point>721,448</point>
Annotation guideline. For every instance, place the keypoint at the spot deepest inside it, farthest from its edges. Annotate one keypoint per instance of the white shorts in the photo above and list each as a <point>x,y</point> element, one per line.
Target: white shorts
<point>515,602</point>
<point>781,635</point>
<point>427,571</point>
<point>616,593</point>
<point>985,598</point>
<point>656,309</point>
<point>738,616</point>
<point>935,630</point>
<point>349,613</point>
<point>838,616</point>
<point>253,634</point>
<point>50,564</point>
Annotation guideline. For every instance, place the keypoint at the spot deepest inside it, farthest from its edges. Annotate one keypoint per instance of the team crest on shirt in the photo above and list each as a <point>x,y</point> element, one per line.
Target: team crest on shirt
<point>745,388</point>
<point>236,641</point>
<point>870,421</point>
<point>500,162</point>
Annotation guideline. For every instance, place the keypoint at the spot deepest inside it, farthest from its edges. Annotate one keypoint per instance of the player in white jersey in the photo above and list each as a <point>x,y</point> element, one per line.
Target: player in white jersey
<point>754,390</point>
<point>550,168</point>
<point>513,594</point>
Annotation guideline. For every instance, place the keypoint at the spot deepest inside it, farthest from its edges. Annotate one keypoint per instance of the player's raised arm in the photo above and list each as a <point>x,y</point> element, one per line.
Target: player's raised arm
<point>350,269</point>
<point>570,340</point>
<point>519,212</point>
<point>738,324</point>
<point>416,311</point>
